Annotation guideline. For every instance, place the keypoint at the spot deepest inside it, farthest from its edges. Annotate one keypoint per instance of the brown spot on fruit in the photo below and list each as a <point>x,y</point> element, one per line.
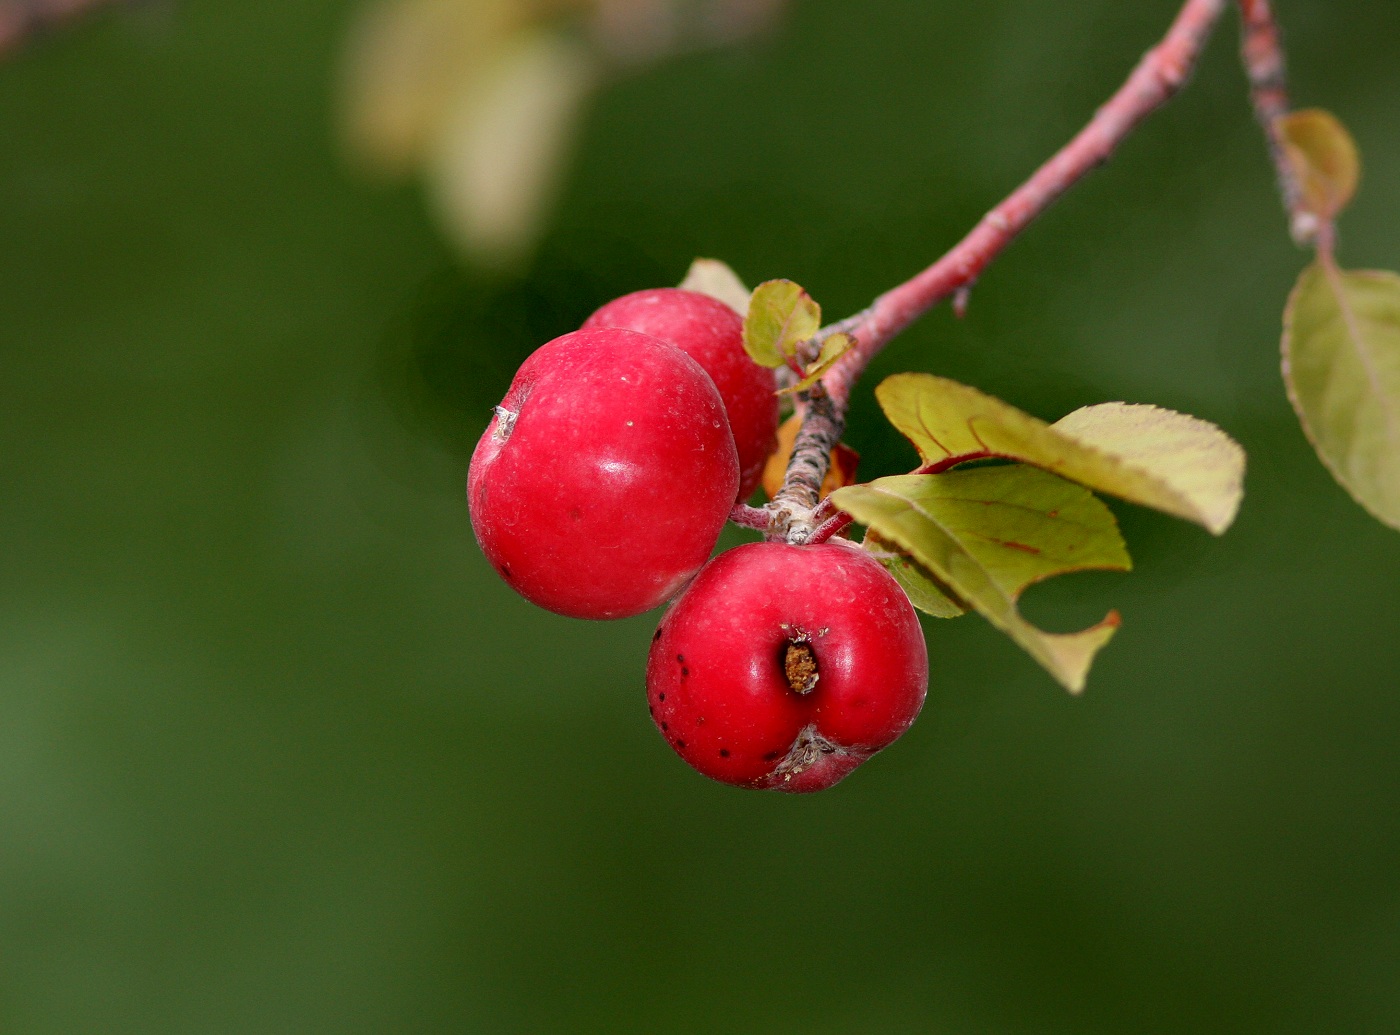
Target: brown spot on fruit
<point>800,667</point>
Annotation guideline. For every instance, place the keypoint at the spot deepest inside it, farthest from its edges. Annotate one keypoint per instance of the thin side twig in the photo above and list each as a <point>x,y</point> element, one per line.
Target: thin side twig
<point>1160,74</point>
<point>757,518</point>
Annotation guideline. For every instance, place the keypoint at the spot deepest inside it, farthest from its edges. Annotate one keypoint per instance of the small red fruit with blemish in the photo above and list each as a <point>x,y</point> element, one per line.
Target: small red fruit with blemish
<point>712,334</point>
<point>785,667</point>
<point>604,480</point>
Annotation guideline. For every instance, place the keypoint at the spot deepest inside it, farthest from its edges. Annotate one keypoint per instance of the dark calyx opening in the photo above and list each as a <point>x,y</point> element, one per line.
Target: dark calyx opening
<point>800,666</point>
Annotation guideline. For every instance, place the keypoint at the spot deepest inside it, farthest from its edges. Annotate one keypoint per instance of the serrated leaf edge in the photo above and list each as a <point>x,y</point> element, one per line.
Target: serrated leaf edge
<point>1072,678</point>
<point>1297,404</point>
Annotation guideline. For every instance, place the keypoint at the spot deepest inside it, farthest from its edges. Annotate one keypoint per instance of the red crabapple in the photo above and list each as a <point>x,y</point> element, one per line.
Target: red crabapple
<point>606,475</point>
<point>712,334</point>
<point>785,667</point>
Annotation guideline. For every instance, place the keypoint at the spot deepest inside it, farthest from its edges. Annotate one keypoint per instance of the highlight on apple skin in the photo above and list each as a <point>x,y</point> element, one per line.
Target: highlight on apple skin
<point>712,334</point>
<point>603,480</point>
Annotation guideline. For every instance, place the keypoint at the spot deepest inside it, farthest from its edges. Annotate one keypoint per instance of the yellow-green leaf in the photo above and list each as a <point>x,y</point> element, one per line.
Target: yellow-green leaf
<point>1324,157</point>
<point>1150,456</point>
<point>714,278</point>
<point>988,533</point>
<point>1171,461</point>
<point>923,590</point>
<point>1341,362</point>
<point>781,317</point>
<point>832,349</point>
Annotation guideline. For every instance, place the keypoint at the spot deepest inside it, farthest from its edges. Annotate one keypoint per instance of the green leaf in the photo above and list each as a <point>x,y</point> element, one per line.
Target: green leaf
<point>781,317</point>
<point>988,533</point>
<point>1324,157</point>
<point>1153,457</point>
<point>1341,363</point>
<point>714,278</point>
<point>923,590</point>
<point>832,349</point>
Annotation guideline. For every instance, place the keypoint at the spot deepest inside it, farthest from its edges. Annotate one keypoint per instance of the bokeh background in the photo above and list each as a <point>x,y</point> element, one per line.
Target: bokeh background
<point>279,753</point>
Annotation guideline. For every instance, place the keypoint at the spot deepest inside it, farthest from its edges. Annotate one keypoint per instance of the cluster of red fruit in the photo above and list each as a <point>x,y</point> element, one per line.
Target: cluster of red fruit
<point>599,490</point>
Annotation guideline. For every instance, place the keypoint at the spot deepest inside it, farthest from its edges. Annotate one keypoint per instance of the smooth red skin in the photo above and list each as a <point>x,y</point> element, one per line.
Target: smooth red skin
<point>712,334</point>
<point>613,485</point>
<point>715,678</point>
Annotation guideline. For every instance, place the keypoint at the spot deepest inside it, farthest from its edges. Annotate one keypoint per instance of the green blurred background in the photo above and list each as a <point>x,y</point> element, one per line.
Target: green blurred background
<point>279,753</point>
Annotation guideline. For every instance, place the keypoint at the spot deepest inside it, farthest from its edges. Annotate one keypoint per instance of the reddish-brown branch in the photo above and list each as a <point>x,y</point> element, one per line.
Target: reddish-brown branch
<point>1157,77</point>
<point>1261,50</point>
<point>21,19</point>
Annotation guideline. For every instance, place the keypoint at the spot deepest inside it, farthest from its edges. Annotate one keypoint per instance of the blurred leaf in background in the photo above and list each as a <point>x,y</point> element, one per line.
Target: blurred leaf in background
<point>280,753</point>
<point>485,96</point>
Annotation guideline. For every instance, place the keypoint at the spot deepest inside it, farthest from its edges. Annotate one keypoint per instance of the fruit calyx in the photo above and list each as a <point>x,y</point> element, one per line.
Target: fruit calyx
<point>800,666</point>
<point>805,752</point>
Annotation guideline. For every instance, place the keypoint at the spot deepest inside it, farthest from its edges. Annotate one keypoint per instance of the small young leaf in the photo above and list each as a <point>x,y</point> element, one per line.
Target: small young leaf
<point>1341,363</point>
<point>781,317</point>
<point>1324,157</point>
<point>923,590</point>
<point>1153,457</point>
<point>842,470</point>
<point>832,349</point>
<point>714,278</point>
<point>988,533</point>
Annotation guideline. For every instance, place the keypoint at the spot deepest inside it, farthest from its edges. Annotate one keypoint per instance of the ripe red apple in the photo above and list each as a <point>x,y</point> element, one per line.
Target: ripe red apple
<point>712,334</point>
<point>606,475</point>
<point>785,667</point>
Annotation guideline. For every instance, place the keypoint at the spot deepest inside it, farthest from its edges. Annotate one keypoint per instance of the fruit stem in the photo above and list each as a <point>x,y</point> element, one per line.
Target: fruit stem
<point>828,528</point>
